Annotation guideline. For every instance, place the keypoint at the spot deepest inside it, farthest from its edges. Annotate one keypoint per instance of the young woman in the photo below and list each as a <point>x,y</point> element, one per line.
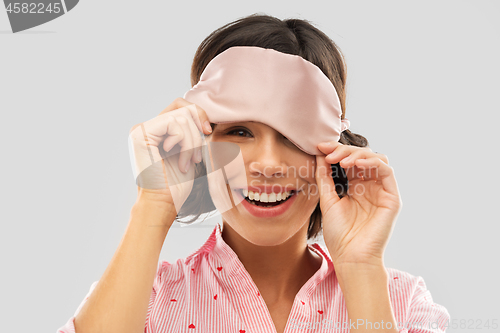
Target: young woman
<point>257,272</point>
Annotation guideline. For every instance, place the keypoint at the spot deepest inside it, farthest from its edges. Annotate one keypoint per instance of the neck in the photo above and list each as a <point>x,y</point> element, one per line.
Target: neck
<point>278,271</point>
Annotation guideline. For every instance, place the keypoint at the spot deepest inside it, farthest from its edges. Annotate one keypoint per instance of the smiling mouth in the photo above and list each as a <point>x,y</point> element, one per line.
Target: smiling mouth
<point>268,204</point>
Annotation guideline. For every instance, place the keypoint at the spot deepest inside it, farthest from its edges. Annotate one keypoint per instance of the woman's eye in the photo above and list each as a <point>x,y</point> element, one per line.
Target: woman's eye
<point>286,139</point>
<point>289,143</point>
<point>238,132</point>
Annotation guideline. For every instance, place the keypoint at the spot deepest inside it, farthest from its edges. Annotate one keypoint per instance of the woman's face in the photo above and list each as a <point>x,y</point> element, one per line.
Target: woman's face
<point>268,159</point>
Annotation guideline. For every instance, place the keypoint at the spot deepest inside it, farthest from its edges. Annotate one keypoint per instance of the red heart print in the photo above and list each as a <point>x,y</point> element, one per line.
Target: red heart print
<point>302,302</point>
<point>173,300</point>
<point>242,331</point>
<point>219,268</point>
<point>396,278</point>
<point>191,326</point>
<point>320,311</point>
<point>192,269</point>
<point>215,297</point>
<point>258,294</point>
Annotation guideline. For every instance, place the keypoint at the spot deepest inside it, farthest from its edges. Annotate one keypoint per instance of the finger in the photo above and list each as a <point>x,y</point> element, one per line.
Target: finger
<point>379,171</point>
<point>355,173</point>
<point>343,151</point>
<point>186,144</point>
<point>329,146</point>
<point>366,173</point>
<point>166,125</point>
<point>153,132</point>
<point>193,146</point>
<point>175,135</point>
<point>349,156</point>
<point>200,119</point>
<point>199,115</point>
<point>346,157</point>
<point>383,158</point>
<point>197,141</point>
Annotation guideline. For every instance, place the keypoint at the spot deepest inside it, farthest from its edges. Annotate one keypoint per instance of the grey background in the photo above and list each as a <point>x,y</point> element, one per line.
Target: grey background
<point>422,87</point>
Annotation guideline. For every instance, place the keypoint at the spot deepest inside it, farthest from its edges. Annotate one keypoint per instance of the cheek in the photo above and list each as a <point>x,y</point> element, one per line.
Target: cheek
<point>307,169</point>
<point>309,177</point>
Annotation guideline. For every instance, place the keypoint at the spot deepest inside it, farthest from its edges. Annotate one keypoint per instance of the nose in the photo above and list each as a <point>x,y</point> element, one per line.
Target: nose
<point>267,158</point>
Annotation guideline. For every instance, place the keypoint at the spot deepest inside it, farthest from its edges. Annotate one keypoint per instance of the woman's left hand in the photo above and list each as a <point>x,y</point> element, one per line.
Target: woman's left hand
<point>357,228</point>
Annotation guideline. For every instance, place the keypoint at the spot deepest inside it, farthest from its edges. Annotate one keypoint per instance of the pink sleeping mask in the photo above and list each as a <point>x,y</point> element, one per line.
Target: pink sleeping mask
<point>283,91</point>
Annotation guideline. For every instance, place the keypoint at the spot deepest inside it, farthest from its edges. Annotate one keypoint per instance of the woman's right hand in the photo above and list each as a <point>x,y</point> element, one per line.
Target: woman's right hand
<point>162,148</point>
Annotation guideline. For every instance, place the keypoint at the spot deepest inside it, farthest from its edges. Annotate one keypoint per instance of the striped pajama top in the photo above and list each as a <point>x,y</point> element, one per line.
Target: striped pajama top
<point>211,291</point>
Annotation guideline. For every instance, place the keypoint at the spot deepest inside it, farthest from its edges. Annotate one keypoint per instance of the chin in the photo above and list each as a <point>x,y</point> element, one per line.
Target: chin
<point>264,235</point>
<point>267,241</point>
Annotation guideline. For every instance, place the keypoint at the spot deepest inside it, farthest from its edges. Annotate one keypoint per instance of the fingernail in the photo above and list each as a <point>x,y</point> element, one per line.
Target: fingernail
<point>186,168</point>
<point>206,124</point>
<point>198,156</point>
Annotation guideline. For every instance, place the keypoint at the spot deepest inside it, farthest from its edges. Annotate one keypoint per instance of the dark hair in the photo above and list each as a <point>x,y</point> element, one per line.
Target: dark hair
<point>292,36</point>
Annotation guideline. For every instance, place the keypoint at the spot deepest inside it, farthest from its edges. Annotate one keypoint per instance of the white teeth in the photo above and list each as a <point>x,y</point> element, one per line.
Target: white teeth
<point>264,197</point>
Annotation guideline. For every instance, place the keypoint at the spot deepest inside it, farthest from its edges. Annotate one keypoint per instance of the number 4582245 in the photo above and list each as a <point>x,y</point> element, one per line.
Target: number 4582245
<point>472,324</point>
<point>33,8</point>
